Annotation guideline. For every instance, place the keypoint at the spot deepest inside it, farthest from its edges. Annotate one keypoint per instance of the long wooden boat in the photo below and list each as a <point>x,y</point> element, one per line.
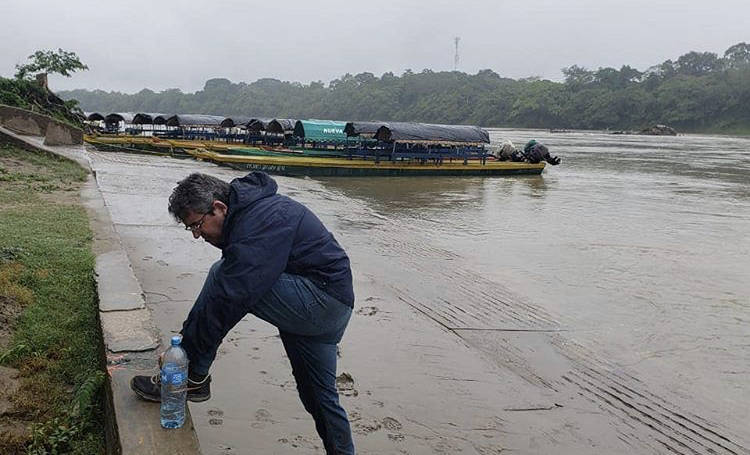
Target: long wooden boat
<point>342,167</point>
<point>151,143</point>
<point>294,162</point>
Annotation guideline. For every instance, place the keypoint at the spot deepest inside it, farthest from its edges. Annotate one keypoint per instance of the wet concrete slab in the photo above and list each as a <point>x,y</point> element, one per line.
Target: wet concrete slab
<point>128,331</point>
<point>123,293</point>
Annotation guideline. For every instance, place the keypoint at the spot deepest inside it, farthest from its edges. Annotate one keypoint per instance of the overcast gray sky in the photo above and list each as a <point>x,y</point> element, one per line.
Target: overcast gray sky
<point>155,44</point>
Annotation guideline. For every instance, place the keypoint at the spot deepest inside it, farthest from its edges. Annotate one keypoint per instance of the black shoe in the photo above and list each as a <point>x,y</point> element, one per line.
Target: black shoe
<point>149,387</point>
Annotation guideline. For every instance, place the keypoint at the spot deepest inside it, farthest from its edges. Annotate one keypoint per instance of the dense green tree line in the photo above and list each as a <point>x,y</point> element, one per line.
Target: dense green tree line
<point>696,92</point>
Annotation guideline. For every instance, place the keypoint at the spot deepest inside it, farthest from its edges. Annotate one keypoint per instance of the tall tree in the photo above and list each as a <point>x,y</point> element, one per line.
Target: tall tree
<point>577,77</point>
<point>698,63</point>
<point>738,56</point>
<point>59,62</point>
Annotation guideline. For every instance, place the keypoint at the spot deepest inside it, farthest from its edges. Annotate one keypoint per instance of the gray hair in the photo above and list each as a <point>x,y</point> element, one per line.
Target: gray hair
<point>196,193</point>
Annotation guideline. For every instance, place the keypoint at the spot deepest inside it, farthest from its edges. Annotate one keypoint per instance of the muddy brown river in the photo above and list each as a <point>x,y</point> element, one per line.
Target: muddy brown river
<point>638,246</point>
<point>601,307</point>
<point>641,245</point>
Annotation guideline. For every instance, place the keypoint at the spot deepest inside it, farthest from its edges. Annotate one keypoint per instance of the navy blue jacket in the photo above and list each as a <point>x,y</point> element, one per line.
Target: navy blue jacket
<point>264,235</point>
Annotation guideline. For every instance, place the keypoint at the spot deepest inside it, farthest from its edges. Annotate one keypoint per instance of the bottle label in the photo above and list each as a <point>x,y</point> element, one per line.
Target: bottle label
<point>178,378</point>
<point>170,376</point>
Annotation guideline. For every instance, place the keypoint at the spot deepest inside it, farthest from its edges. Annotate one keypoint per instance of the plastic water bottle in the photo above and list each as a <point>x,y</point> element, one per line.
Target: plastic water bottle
<point>174,376</point>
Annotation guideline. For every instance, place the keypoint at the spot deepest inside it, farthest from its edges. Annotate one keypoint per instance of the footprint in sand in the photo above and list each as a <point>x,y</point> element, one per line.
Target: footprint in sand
<point>489,450</point>
<point>216,417</point>
<point>367,311</point>
<point>345,385</point>
<point>389,423</point>
<point>300,442</point>
<point>262,417</point>
<point>361,427</point>
<point>393,425</point>
<point>163,263</point>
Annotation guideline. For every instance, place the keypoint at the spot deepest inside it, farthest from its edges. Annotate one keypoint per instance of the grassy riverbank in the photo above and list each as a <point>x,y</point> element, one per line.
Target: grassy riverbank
<point>51,374</point>
<point>29,95</point>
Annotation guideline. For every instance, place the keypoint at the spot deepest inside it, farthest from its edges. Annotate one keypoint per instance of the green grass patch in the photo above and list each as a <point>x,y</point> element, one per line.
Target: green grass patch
<point>46,271</point>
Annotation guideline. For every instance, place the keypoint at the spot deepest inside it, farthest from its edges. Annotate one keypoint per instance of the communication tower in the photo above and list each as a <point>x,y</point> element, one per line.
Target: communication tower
<point>455,58</point>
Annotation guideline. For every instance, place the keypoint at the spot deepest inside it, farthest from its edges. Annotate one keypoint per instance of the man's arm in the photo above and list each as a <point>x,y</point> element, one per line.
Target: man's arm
<point>250,267</point>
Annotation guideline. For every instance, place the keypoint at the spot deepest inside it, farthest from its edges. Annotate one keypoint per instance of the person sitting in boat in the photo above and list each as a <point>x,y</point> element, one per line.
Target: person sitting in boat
<point>535,152</point>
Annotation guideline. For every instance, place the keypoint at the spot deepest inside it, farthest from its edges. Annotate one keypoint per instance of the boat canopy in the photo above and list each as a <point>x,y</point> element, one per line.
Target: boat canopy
<point>431,133</point>
<point>145,118</point>
<point>161,119</point>
<point>320,130</point>
<point>258,124</point>
<point>194,120</point>
<point>94,116</point>
<point>235,120</point>
<point>281,126</point>
<point>362,129</point>
<point>117,117</point>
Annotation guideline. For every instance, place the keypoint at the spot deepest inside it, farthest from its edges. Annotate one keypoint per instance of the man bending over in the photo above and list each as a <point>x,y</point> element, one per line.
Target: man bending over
<point>280,263</point>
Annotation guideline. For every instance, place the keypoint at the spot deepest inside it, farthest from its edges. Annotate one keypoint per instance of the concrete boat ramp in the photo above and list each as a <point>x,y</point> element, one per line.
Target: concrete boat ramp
<point>431,363</point>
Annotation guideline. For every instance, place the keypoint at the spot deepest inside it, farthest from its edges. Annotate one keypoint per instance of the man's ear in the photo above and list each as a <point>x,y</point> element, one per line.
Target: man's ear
<point>219,207</point>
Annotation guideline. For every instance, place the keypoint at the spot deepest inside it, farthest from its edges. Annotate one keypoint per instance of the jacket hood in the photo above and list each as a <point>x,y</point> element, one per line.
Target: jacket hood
<point>246,191</point>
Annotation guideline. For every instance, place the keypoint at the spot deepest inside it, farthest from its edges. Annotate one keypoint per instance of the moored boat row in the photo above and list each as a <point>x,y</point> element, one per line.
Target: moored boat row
<point>312,147</point>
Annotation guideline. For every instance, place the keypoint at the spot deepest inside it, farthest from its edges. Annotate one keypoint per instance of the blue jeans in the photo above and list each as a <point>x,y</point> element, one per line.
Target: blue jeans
<point>310,323</point>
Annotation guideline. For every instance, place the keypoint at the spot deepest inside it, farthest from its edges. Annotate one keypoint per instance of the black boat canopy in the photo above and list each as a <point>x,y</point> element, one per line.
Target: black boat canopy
<point>431,133</point>
<point>145,118</point>
<point>194,120</point>
<point>161,119</point>
<point>258,124</point>
<point>235,120</point>
<point>362,129</point>
<point>94,116</point>
<point>116,117</point>
<point>281,126</point>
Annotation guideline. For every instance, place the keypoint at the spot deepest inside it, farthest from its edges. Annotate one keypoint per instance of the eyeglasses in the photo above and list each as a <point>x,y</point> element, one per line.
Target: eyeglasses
<point>197,225</point>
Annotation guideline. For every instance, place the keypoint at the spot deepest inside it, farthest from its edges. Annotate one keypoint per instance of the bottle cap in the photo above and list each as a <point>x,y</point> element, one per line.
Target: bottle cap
<point>176,340</point>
